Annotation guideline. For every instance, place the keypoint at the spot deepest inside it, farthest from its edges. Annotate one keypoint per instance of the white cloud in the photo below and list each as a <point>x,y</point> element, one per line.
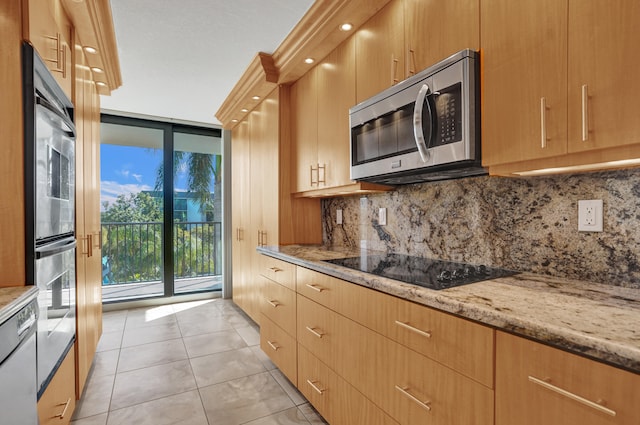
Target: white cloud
<point>110,190</point>
<point>124,173</point>
<point>138,177</point>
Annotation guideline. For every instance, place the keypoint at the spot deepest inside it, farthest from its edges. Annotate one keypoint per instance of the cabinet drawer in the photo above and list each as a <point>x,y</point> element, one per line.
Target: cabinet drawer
<point>57,403</point>
<point>336,400</point>
<point>279,271</point>
<point>538,384</point>
<point>279,304</point>
<point>280,347</point>
<point>464,346</point>
<point>415,390</point>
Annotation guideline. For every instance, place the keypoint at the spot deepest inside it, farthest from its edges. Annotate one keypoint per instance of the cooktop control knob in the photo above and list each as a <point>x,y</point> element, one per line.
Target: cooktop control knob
<point>458,274</point>
<point>469,271</point>
<point>482,270</point>
<point>444,276</point>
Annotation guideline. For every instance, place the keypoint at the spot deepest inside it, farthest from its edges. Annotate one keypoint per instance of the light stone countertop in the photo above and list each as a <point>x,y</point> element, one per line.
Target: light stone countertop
<point>12,299</point>
<point>595,320</point>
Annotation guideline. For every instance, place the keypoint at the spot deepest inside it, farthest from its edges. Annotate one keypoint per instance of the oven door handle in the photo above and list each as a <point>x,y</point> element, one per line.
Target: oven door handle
<point>47,105</point>
<point>418,132</point>
<point>55,248</point>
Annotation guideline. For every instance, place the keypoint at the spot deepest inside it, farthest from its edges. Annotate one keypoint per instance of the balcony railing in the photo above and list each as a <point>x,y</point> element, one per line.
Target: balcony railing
<point>133,252</point>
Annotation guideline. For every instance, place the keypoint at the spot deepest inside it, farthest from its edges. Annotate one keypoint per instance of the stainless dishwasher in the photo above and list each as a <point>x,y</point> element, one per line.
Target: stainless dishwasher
<point>18,385</point>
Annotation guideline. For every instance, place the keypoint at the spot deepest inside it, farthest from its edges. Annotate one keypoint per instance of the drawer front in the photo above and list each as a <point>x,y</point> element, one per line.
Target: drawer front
<point>460,344</point>
<point>337,401</point>
<point>57,403</point>
<point>537,384</point>
<point>279,271</point>
<point>279,304</point>
<point>415,390</point>
<point>280,347</point>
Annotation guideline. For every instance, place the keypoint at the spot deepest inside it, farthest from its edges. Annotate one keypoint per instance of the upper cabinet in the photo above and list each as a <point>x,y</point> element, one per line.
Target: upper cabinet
<point>380,59</point>
<point>435,30</point>
<point>557,93</point>
<point>304,132</point>
<point>48,29</point>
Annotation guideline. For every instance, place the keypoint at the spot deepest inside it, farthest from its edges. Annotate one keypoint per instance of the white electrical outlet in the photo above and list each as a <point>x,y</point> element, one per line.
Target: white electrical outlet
<point>338,216</point>
<point>590,215</point>
<point>382,216</point>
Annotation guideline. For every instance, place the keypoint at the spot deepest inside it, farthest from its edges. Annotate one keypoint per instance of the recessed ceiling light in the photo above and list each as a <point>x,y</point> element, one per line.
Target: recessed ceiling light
<point>234,120</point>
<point>244,110</point>
<point>99,70</point>
<point>309,60</point>
<point>90,49</point>
<point>256,98</point>
<point>346,27</point>
<point>101,84</point>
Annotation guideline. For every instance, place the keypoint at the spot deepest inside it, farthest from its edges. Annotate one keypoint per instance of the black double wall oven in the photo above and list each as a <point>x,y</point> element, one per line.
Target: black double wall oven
<point>49,147</point>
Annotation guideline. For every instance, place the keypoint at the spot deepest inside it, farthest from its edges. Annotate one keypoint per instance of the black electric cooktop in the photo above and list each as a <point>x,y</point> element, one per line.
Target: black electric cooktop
<point>426,272</point>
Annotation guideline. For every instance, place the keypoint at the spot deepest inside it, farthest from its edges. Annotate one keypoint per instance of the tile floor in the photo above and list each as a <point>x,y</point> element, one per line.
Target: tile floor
<point>194,363</point>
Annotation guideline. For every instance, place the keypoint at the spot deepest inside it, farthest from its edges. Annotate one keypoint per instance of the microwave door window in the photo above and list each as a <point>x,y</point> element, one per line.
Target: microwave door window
<point>406,140</point>
<point>366,146</point>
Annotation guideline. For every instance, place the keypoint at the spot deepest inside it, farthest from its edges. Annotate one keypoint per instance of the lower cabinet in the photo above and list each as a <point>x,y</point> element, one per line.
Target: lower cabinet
<point>538,384</point>
<point>57,403</point>
<point>280,347</point>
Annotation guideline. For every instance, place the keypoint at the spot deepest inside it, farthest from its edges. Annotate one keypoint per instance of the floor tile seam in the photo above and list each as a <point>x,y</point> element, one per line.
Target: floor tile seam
<point>304,399</point>
<point>233,379</point>
<point>150,325</point>
<point>154,365</point>
<point>220,352</point>
<point>276,413</point>
<point>150,342</point>
<point>150,400</point>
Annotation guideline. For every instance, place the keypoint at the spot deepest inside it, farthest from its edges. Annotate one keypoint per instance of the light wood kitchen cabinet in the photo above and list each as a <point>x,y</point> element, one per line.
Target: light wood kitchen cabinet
<point>460,344</point>
<point>410,387</point>
<point>524,111</point>
<point>557,92</point>
<point>264,211</point>
<point>435,30</point>
<point>88,228</point>
<point>538,384</point>
<point>280,347</point>
<point>304,132</point>
<point>48,28</point>
<point>278,303</point>
<point>601,35</point>
<point>337,401</point>
<point>241,200</point>
<point>380,53</point>
<point>57,403</point>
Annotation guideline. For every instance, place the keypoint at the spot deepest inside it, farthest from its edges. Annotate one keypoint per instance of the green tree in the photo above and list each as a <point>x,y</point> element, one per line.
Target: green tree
<point>134,208</point>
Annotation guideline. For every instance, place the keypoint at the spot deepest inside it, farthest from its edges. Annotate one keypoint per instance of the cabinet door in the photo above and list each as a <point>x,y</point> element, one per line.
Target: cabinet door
<point>336,94</point>
<point>57,403</point>
<point>601,35</point>
<point>437,29</point>
<point>304,132</point>
<point>524,112</point>
<point>380,51</point>
<point>241,202</point>
<point>537,384</point>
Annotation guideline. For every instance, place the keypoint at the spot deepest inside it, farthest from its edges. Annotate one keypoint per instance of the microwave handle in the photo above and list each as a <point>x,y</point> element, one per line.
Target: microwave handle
<point>417,123</point>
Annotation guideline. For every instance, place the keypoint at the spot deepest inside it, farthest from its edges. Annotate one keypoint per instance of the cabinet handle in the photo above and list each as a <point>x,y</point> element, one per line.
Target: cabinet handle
<point>238,234</point>
<point>315,287</point>
<point>273,345</point>
<point>64,411</point>
<point>275,269</point>
<point>315,387</point>
<point>585,113</point>
<point>61,56</point>
<point>262,238</point>
<point>425,334</point>
<point>322,167</point>
<point>313,331</point>
<point>411,61</point>
<point>543,122</point>
<point>99,239</point>
<point>90,245</point>
<point>311,175</point>
<point>405,391</point>
<point>274,304</point>
<point>394,69</point>
<point>595,405</point>
<point>85,241</point>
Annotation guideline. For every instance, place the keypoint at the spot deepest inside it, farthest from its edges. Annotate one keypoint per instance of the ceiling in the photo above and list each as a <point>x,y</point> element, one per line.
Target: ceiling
<point>180,59</point>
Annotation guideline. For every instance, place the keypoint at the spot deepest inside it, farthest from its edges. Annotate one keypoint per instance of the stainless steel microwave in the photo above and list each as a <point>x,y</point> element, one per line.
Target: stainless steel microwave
<point>424,128</point>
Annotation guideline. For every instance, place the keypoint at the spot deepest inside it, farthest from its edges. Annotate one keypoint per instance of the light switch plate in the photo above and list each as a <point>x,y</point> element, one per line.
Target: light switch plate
<point>382,216</point>
<point>338,216</point>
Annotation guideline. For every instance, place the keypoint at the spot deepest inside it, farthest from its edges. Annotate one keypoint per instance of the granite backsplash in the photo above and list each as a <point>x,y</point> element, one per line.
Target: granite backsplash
<point>527,224</point>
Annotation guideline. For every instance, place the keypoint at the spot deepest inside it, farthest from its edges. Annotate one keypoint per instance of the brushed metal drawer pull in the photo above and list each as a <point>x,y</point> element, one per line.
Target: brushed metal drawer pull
<point>585,113</point>
<point>64,411</point>
<point>406,393</point>
<point>572,396</point>
<point>272,345</point>
<point>315,287</point>
<point>315,387</point>
<point>313,331</point>
<point>412,329</point>
<point>275,269</point>
<point>274,304</point>
<point>543,122</point>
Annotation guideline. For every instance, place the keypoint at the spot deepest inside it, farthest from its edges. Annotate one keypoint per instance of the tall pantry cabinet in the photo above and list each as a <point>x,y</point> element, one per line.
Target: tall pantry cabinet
<point>264,212</point>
